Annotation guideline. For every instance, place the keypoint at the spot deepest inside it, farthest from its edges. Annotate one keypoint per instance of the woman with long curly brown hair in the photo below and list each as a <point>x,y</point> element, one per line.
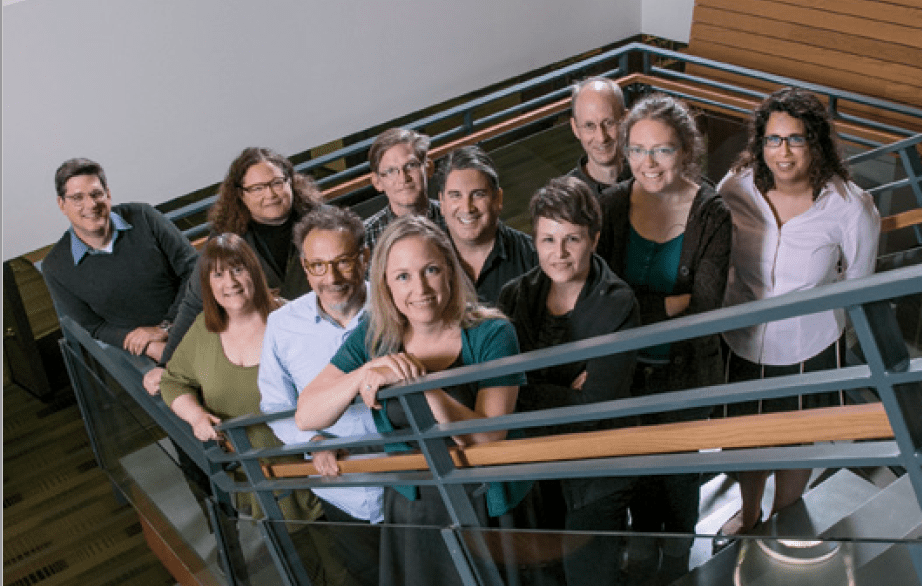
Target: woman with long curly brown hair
<point>798,222</point>
<point>261,198</point>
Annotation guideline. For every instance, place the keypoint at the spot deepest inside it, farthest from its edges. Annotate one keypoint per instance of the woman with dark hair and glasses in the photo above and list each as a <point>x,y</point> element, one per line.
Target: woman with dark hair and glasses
<point>260,199</point>
<point>667,233</point>
<point>573,295</point>
<point>799,222</point>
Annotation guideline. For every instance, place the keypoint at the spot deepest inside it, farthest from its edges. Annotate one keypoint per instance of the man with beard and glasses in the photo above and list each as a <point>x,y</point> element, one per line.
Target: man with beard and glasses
<point>301,338</point>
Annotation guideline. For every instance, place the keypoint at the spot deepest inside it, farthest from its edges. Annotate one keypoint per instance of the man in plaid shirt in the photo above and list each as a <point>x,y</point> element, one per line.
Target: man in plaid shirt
<point>399,168</point>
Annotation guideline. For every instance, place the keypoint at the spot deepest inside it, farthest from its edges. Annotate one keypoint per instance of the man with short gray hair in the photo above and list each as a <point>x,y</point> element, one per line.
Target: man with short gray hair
<point>597,106</point>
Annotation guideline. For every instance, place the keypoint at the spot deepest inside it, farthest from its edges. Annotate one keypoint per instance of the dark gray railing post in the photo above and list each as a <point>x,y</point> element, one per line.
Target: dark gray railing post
<point>454,496</point>
<point>912,165</point>
<point>81,383</point>
<point>883,347</point>
<point>273,526</point>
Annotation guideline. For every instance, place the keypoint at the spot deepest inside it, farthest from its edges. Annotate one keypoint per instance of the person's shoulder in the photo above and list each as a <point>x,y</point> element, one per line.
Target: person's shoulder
<point>735,179</point>
<point>138,212</point>
<point>515,238</point>
<point>58,255</point>
<point>198,327</point>
<point>377,217</point>
<point>491,327</point>
<point>524,281</point>
<point>617,196</point>
<point>296,310</point>
<point>135,208</point>
<point>710,201</point>
<point>608,283</point>
<point>858,204</point>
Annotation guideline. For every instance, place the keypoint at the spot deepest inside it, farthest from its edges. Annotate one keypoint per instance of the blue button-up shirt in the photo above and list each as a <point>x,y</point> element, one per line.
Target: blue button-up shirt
<point>79,249</point>
<point>299,342</point>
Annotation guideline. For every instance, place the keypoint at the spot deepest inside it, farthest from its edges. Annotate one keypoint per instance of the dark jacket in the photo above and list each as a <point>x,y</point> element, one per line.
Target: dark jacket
<point>605,305</point>
<point>703,266</point>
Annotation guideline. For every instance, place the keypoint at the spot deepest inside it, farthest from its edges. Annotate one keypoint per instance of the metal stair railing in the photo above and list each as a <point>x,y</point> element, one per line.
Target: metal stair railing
<point>888,370</point>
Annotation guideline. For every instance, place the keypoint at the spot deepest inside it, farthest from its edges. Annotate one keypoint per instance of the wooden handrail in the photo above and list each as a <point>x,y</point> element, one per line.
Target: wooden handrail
<point>853,422</point>
<point>901,220</point>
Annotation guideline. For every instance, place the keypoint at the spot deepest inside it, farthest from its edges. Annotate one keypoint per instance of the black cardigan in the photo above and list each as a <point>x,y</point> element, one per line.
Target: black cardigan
<point>605,305</point>
<point>703,266</point>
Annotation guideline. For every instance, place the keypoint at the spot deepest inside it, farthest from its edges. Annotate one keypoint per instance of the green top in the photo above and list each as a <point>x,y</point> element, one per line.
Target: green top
<point>652,267</point>
<point>200,367</point>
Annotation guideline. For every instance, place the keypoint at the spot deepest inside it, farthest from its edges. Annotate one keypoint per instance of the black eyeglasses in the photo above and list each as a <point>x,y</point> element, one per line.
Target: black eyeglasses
<point>795,141</point>
<point>344,265</point>
<point>260,188</point>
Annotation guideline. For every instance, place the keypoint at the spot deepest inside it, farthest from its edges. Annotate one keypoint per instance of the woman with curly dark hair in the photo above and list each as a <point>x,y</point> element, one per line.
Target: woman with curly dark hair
<point>260,200</point>
<point>798,222</point>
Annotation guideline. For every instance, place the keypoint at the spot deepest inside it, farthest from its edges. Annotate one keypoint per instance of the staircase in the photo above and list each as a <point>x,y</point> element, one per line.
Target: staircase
<point>856,523</point>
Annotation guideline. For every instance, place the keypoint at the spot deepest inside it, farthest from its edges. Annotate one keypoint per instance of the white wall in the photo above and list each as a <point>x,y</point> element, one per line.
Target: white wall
<point>669,19</point>
<point>165,93</point>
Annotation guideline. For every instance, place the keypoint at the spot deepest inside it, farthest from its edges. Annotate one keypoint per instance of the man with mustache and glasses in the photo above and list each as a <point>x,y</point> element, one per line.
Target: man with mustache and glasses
<point>399,167</point>
<point>597,106</point>
<point>118,271</point>
<point>301,338</point>
<point>491,252</point>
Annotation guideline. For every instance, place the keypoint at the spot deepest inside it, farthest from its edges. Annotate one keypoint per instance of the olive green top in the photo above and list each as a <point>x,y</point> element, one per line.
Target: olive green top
<point>200,367</point>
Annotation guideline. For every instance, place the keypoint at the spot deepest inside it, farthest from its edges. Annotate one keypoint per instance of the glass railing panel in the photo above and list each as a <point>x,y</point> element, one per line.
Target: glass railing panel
<point>558,558</point>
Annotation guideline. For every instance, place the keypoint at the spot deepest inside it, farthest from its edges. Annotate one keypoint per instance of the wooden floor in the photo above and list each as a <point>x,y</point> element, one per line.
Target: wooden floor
<point>62,525</point>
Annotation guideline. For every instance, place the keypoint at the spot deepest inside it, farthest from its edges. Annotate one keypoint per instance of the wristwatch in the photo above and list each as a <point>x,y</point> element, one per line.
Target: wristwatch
<point>165,325</point>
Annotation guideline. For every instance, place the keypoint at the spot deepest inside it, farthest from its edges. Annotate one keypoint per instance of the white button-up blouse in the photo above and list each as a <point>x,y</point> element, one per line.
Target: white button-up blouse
<point>835,239</point>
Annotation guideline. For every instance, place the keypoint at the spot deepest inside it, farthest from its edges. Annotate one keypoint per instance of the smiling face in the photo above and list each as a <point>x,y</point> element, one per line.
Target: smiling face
<point>341,288</point>
<point>788,165</point>
<point>656,173</point>
<point>232,288</point>
<point>564,250</point>
<point>418,279</point>
<point>402,178</point>
<point>267,205</point>
<point>595,124</point>
<point>90,217</point>
<point>471,207</point>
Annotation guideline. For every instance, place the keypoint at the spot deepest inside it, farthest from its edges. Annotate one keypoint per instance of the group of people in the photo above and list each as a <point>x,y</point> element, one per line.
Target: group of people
<point>294,304</point>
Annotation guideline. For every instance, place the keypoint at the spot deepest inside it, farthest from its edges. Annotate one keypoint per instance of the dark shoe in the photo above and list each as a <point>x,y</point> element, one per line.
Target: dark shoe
<point>723,540</point>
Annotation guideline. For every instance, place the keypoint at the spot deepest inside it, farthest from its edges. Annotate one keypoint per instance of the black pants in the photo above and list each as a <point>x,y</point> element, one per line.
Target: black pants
<point>356,543</point>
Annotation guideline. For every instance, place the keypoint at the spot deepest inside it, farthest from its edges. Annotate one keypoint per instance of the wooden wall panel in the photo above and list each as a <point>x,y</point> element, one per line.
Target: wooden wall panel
<point>865,46</point>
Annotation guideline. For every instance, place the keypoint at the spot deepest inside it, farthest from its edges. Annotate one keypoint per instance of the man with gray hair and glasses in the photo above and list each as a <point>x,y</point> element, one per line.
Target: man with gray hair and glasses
<point>597,106</point>
<point>301,338</point>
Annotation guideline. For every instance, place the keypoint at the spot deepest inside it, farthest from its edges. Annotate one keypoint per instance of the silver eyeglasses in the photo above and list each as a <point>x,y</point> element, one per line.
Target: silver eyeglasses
<point>408,167</point>
<point>660,154</point>
<point>80,199</point>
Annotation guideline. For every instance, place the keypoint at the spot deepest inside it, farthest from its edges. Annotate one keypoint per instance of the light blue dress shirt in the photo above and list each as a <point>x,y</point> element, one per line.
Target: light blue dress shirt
<point>78,247</point>
<point>299,342</point>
